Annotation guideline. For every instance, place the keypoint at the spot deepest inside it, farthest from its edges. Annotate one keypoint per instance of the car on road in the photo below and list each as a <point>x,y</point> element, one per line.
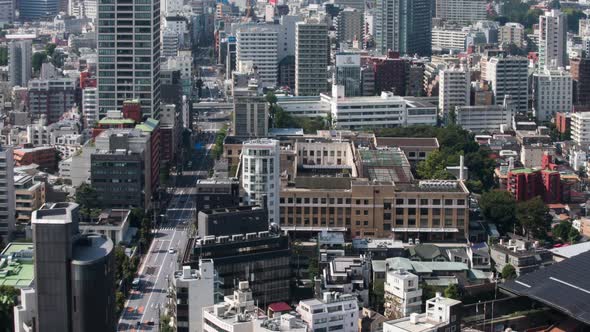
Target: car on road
<point>171,251</point>
<point>150,323</point>
<point>138,324</point>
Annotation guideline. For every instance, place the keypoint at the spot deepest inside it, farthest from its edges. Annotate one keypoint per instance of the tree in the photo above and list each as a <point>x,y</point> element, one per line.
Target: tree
<point>165,324</point>
<point>119,302</point>
<point>573,235</point>
<point>378,295</point>
<point>3,56</point>
<point>271,98</point>
<point>452,292</point>
<point>434,167</point>
<point>499,207</point>
<point>8,298</point>
<point>508,272</point>
<point>562,231</point>
<point>532,218</point>
<point>87,197</point>
<point>50,49</point>
<point>573,18</point>
<point>38,59</point>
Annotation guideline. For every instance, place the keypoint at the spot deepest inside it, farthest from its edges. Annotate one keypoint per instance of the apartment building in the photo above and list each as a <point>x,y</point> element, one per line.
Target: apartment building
<point>552,93</point>
<point>333,312</point>
<point>312,52</point>
<point>449,38</point>
<point>512,33</point>
<point>30,196</point>
<point>552,39</point>
<point>580,128</point>
<point>489,118</point>
<point>509,75</point>
<point>7,193</point>
<point>463,12</point>
<point>454,89</point>
<point>192,290</point>
<point>257,44</point>
<point>403,295</point>
<point>442,314</point>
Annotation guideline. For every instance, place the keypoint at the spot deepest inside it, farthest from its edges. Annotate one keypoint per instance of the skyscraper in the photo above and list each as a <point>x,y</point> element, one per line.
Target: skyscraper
<point>509,75</point>
<point>74,275</point>
<point>348,73</point>
<point>20,62</point>
<point>454,89</point>
<point>129,55</point>
<point>403,26</point>
<point>311,58</point>
<point>552,39</point>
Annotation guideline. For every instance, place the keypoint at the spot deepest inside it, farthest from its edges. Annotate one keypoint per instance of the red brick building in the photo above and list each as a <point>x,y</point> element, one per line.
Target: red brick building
<point>390,73</point>
<point>526,183</point>
<point>563,121</point>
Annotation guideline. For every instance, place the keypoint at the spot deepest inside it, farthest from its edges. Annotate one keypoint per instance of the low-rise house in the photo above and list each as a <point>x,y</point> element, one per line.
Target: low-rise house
<point>113,223</point>
<point>524,256</point>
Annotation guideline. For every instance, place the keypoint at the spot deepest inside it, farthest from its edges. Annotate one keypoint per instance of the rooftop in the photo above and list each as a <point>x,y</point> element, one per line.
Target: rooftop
<point>16,265</point>
<point>571,250</point>
<point>430,142</point>
<point>564,286</point>
<point>91,248</point>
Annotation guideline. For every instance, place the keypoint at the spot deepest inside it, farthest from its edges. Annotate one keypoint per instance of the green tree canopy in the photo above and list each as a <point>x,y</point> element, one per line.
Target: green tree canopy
<point>532,218</point>
<point>87,197</point>
<point>499,207</point>
<point>508,272</point>
<point>452,292</point>
<point>434,167</point>
<point>8,298</point>
<point>38,59</point>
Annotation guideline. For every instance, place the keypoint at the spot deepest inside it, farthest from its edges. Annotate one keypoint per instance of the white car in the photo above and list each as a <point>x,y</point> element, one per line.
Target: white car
<point>171,251</point>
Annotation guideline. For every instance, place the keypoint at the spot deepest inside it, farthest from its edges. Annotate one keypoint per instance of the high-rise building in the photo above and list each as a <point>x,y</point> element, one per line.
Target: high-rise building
<point>552,93</point>
<point>20,58</point>
<point>348,73</point>
<point>32,10</point>
<point>509,75</point>
<point>7,11</point>
<point>312,52</point>
<point>403,26</point>
<point>454,89</point>
<point>192,290</point>
<point>129,55</point>
<point>350,25</point>
<point>78,272</point>
<point>261,175</point>
<point>463,12</point>
<point>580,71</point>
<point>8,206</point>
<point>552,39</point>
<point>257,45</point>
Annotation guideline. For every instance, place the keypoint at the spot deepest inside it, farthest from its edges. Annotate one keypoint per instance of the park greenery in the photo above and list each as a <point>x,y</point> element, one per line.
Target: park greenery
<point>522,12</point>
<point>566,232</point>
<point>217,149</point>
<point>528,218</point>
<point>454,141</point>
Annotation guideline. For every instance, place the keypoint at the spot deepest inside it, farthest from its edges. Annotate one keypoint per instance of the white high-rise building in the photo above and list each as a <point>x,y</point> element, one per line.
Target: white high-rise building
<point>509,76</point>
<point>333,312</point>
<point>193,290</point>
<point>129,55</point>
<point>90,107</point>
<point>512,33</point>
<point>454,89</point>
<point>83,8</point>
<point>581,128</point>
<point>261,181</point>
<point>403,295</point>
<point>552,39</point>
<point>7,205</point>
<point>20,62</point>
<point>552,92</point>
<point>462,12</point>
<point>312,51</point>
<point>257,45</point>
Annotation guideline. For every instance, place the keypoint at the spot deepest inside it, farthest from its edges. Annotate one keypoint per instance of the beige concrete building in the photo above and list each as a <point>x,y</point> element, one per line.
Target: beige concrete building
<point>30,196</point>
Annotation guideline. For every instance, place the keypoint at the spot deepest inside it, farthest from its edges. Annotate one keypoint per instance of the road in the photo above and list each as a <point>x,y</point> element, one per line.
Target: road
<point>146,304</point>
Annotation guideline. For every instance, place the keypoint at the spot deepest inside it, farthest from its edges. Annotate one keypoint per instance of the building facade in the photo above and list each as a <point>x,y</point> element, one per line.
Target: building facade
<point>257,45</point>
<point>129,55</point>
<point>552,39</point>
<point>403,26</point>
<point>7,203</point>
<point>552,93</point>
<point>509,76</point>
<point>311,58</point>
<point>192,290</point>
<point>462,12</point>
<point>20,55</point>
<point>403,295</point>
<point>454,89</point>
<point>334,311</point>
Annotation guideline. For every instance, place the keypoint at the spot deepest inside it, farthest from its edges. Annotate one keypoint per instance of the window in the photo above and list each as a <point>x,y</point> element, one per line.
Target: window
<point>399,201</point>
<point>423,201</point>
<point>448,202</point>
